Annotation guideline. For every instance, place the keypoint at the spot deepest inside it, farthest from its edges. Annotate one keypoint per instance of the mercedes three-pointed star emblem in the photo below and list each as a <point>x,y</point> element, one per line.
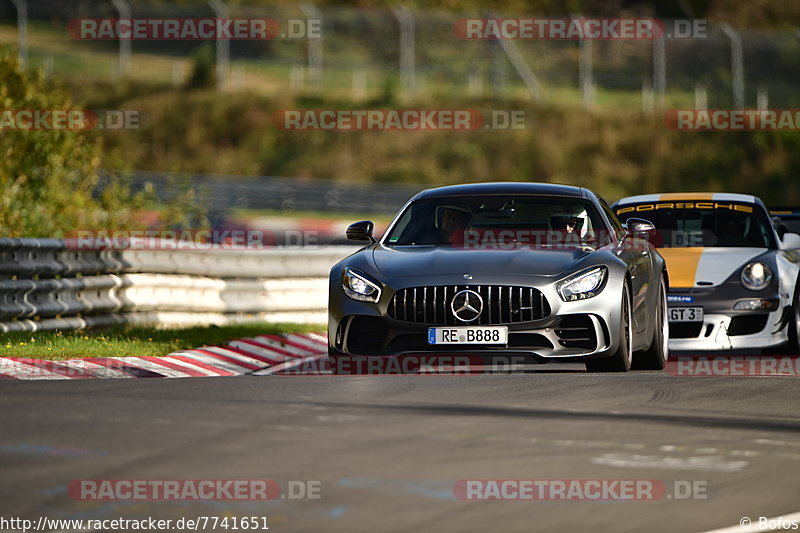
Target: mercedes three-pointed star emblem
<point>467,305</point>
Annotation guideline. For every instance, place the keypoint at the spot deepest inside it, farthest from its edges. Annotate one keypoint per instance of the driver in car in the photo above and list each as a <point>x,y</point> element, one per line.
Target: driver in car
<point>731,230</point>
<point>452,226</point>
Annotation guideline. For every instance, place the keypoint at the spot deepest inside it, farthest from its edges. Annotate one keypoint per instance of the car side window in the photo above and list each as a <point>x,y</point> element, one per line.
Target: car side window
<point>612,218</point>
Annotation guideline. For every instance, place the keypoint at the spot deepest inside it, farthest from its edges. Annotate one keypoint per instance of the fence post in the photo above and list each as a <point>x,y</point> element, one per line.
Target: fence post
<point>647,99</point>
<point>359,85</point>
<point>407,50</point>
<point>585,74</point>
<point>762,99</point>
<point>22,30</point>
<point>311,12</point>
<point>223,44</point>
<point>700,97</point>
<point>498,69</point>
<point>659,69</point>
<point>521,67</point>
<point>124,11</point>
<point>737,68</point>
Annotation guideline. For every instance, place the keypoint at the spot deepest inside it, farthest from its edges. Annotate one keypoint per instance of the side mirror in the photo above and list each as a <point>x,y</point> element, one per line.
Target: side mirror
<point>780,227</point>
<point>638,226</point>
<point>361,231</point>
<point>790,241</point>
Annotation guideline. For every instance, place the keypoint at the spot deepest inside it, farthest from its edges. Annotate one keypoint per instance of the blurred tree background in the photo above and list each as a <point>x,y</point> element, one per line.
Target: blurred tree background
<point>51,182</point>
<point>49,179</point>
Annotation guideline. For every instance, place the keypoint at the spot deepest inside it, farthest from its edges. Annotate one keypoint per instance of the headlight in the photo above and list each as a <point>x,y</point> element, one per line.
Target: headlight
<point>583,285</point>
<point>759,304</point>
<point>756,276</point>
<point>359,287</point>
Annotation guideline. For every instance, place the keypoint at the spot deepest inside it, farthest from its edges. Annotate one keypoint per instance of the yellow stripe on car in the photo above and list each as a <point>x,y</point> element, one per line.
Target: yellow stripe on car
<point>682,265</point>
<point>667,196</point>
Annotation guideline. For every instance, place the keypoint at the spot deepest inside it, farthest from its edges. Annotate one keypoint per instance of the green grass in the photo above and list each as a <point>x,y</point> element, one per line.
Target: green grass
<point>123,341</point>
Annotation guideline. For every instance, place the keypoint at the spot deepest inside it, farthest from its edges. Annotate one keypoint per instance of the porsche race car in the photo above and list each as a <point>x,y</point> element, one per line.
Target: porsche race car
<point>734,282</point>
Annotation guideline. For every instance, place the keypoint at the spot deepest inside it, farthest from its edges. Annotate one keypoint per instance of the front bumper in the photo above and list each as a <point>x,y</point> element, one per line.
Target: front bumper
<point>715,334</point>
<point>722,327</point>
<point>581,329</point>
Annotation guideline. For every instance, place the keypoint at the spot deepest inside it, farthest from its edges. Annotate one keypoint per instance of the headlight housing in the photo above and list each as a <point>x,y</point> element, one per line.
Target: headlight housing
<point>358,286</point>
<point>756,276</point>
<point>586,284</point>
<point>757,304</point>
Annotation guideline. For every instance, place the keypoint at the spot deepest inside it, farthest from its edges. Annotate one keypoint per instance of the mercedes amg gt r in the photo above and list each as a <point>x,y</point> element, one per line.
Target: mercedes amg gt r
<point>735,280</point>
<point>546,272</point>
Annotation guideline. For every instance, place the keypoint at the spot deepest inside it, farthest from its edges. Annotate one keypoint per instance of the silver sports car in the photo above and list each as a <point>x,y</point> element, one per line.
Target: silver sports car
<point>545,272</point>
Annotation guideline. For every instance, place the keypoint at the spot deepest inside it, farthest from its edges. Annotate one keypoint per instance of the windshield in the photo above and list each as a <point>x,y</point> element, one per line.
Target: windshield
<point>480,221</point>
<point>706,224</point>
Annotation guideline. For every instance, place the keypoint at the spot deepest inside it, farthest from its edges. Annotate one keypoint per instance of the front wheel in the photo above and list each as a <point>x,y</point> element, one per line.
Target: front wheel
<point>793,329</point>
<point>622,358</point>
<point>655,357</point>
<point>793,348</point>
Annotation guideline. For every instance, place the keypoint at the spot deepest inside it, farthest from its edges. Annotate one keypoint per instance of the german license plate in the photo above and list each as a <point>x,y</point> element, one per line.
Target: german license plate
<point>685,314</point>
<point>468,335</point>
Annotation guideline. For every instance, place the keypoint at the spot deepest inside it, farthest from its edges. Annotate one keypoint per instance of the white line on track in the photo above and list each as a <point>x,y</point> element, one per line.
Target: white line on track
<point>185,364</point>
<point>277,344</point>
<point>27,371</point>
<point>233,355</point>
<point>323,339</point>
<point>97,370</point>
<point>313,345</point>
<point>213,361</point>
<point>748,524</point>
<point>261,349</point>
<point>154,367</point>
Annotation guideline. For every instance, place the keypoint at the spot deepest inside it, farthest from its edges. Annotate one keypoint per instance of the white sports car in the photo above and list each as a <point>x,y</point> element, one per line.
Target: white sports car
<point>733,282</point>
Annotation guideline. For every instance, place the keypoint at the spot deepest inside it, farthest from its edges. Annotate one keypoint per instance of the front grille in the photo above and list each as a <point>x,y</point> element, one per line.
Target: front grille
<point>501,305</point>
<point>685,330</point>
<point>365,335</point>
<point>747,324</point>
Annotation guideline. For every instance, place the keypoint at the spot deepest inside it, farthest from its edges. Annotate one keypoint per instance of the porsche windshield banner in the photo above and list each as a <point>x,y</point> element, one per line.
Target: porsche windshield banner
<point>701,205</point>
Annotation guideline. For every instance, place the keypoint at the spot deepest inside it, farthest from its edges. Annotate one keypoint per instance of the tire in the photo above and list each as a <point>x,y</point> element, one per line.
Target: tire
<point>333,353</point>
<point>622,358</point>
<point>793,346</point>
<point>655,357</point>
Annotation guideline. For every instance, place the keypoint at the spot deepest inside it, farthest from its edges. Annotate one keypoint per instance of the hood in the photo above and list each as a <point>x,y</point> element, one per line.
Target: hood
<point>688,266</point>
<point>416,260</point>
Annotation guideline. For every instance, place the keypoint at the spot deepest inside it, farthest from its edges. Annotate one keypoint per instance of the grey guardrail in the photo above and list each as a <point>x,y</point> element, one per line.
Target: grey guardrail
<point>51,284</point>
<point>276,193</point>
